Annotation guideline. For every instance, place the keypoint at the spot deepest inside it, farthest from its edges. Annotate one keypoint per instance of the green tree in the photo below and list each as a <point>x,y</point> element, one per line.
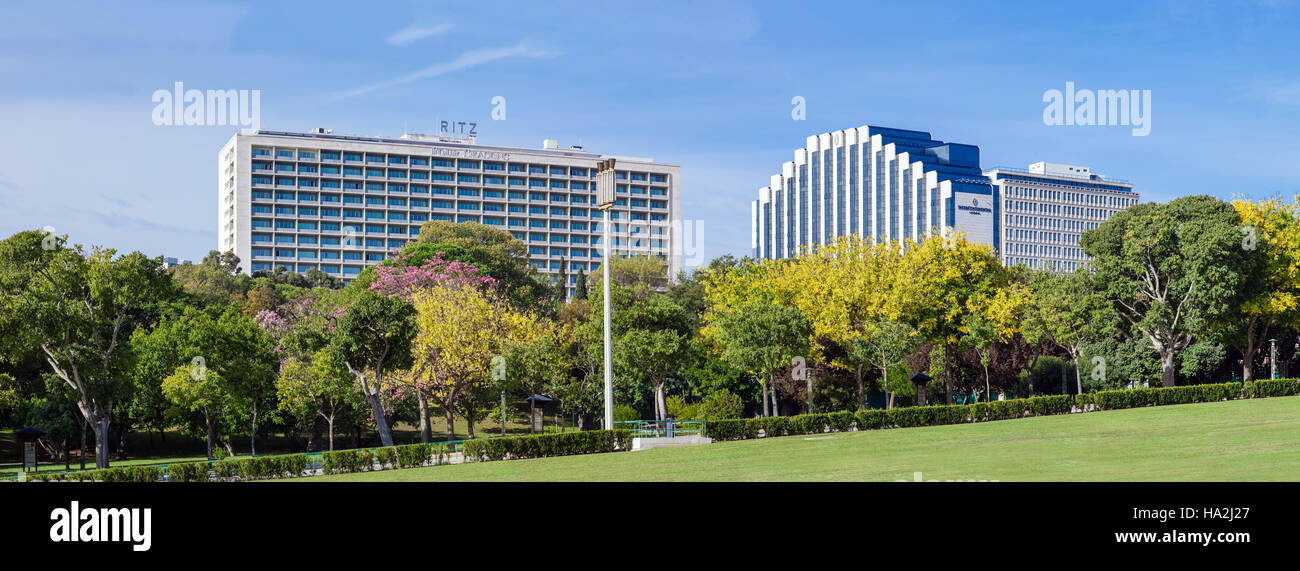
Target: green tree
<point>1067,312</point>
<point>372,339</point>
<point>763,337</point>
<point>580,292</point>
<point>79,309</point>
<point>1171,271</point>
<point>888,343</point>
<point>318,387</point>
<point>202,390</point>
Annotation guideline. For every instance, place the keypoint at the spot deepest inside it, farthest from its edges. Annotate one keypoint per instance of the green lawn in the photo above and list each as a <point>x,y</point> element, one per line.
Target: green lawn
<point>1257,439</point>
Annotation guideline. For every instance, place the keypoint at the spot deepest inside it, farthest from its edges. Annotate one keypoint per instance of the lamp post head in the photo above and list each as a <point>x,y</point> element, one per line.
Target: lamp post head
<point>605,183</point>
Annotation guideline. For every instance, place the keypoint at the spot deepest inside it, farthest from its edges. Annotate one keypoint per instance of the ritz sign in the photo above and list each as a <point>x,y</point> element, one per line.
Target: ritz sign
<point>457,128</point>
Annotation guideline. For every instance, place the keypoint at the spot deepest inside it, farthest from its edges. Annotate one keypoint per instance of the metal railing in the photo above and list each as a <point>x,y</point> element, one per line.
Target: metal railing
<point>661,428</point>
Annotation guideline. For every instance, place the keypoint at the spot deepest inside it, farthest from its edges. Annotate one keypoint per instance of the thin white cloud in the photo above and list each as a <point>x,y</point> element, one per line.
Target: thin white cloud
<point>467,60</point>
<point>414,33</point>
<point>1279,92</point>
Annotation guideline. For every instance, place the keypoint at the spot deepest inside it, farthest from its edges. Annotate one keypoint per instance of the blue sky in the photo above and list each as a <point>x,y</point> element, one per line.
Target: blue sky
<point>707,85</point>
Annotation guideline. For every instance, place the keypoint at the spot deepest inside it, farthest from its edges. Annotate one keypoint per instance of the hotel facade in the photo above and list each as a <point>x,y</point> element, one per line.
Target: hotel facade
<point>1048,206</point>
<point>901,185</point>
<point>339,203</point>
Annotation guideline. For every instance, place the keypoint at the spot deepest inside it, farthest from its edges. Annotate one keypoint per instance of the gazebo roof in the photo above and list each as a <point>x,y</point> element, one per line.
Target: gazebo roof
<point>29,433</point>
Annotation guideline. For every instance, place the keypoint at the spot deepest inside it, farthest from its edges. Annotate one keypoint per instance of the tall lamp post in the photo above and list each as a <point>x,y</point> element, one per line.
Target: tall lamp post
<point>605,200</point>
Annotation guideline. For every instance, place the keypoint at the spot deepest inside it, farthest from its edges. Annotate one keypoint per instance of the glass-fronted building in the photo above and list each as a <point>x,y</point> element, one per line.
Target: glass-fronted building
<point>339,203</point>
<point>875,182</point>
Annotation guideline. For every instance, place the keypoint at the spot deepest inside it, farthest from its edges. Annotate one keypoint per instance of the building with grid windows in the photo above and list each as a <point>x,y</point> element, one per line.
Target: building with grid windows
<point>876,182</point>
<point>339,203</point>
<point>1046,207</point>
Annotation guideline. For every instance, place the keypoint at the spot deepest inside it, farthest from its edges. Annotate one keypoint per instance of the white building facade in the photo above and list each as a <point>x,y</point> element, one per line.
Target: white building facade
<point>880,183</point>
<point>1046,207</point>
<point>339,203</point>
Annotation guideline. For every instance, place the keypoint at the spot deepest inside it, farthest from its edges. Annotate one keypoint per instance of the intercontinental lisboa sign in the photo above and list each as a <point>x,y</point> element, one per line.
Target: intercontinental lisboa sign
<point>974,207</point>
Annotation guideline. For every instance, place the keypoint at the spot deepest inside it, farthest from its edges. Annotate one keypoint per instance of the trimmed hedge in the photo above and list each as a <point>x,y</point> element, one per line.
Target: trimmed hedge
<point>121,474</point>
<point>544,445</point>
<point>189,472</point>
<point>871,419</point>
<point>1156,396</point>
<point>1275,388</point>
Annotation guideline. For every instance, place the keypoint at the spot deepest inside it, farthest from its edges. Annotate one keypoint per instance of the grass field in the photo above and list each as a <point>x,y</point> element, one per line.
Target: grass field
<point>1257,439</point>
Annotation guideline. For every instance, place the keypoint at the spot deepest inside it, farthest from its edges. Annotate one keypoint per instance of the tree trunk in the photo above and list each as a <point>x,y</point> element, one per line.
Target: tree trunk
<point>330,421</point>
<point>67,460</point>
<point>101,441</point>
<point>503,413</point>
<point>1248,356</point>
<point>661,403</point>
<point>451,423</point>
<point>423,399</point>
<point>252,438</point>
<point>862,394</point>
<point>121,441</point>
<point>469,419</point>
<point>947,373</point>
<point>988,387</point>
<point>1168,376</point>
<point>381,422</point>
<point>884,384</point>
<point>765,397</point>
<point>212,434</point>
<point>82,452</point>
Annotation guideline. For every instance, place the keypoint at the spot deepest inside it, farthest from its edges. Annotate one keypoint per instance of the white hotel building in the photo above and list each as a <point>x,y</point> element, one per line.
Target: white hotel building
<point>339,203</point>
<point>878,182</point>
<point>1046,208</point>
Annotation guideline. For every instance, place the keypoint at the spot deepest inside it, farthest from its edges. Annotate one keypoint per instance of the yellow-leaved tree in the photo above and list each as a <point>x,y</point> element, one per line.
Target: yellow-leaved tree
<point>1271,230</point>
<point>459,331</point>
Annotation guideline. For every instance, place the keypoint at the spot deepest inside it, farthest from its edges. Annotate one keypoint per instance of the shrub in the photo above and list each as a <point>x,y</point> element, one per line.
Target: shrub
<point>189,472</point>
<point>1084,400</point>
<point>871,419</point>
<point>679,409</point>
<point>1053,404</point>
<point>841,421</point>
<point>624,413</point>
<point>120,474</point>
<point>386,457</point>
<point>733,429</point>
<point>341,461</point>
<point>226,468</point>
<point>544,445</point>
<point>808,423</point>
<point>721,405</point>
<point>1276,387</point>
<point>776,425</point>
<point>416,455</point>
<point>1153,396</point>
